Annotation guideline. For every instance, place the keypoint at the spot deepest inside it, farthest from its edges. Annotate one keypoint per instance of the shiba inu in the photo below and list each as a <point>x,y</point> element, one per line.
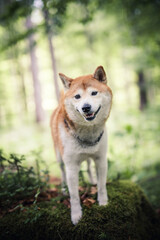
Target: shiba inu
<point>78,131</point>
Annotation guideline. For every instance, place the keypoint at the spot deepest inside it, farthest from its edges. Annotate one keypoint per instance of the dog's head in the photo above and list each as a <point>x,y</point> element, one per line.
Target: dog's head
<point>88,98</point>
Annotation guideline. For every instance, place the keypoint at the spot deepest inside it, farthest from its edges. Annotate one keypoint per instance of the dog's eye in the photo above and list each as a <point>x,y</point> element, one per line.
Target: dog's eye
<point>94,93</point>
<point>77,96</point>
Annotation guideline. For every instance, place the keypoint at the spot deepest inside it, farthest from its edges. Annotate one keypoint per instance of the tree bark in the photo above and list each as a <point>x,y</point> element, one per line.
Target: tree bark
<point>23,91</point>
<point>54,67</point>
<point>17,70</point>
<point>142,90</point>
<point>52,52</point>
<point>35,74</point>
<point>20,72</point>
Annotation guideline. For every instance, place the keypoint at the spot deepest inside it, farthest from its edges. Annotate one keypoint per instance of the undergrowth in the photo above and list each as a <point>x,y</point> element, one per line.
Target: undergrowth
<point>18,182</point>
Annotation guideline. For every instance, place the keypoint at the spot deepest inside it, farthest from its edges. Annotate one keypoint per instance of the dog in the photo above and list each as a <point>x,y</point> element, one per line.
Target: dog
<point>78,131</point>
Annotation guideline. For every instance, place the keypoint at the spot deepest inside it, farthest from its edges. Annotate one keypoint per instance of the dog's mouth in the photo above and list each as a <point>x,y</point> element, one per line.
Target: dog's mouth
<point>91,115</point>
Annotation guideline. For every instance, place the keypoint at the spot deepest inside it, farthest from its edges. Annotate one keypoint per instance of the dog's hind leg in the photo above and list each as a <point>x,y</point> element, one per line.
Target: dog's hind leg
<point>101,167</point>
<point>63,173</point>
<point>90,172</point>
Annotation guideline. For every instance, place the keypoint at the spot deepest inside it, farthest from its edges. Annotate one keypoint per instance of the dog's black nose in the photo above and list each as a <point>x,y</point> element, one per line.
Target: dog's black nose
<point>86,108</point>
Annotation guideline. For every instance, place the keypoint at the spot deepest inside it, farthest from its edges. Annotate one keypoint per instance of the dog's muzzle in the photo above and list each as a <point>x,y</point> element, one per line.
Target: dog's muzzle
<point>88,114</point>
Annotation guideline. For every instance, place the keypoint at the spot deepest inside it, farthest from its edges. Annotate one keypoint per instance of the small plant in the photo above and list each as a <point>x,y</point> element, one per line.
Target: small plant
<point>18,182</point>
<point>104,236</point>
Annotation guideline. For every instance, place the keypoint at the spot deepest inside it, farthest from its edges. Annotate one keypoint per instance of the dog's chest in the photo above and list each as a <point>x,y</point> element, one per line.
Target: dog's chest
<point>84,142</point>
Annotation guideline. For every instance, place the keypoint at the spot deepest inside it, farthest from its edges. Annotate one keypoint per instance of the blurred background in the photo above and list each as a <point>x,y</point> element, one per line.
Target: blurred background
<point>39,38</point>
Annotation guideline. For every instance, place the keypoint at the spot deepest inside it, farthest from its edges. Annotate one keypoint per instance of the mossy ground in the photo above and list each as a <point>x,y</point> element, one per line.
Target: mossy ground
<point>127,216</point>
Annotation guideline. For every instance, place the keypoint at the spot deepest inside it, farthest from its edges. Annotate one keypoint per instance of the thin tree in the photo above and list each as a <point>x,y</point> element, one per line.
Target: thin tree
<point>35,73</point>
<point>19,71</point>
<point>142,90</point>
<point>51,48</point>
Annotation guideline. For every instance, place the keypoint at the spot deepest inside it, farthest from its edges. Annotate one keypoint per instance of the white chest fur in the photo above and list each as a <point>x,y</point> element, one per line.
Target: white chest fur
<point>94,144</point>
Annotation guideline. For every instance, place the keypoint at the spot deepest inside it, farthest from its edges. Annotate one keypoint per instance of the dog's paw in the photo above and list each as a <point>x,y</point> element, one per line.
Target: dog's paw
<point>103,201</point>
<point>76,216</point>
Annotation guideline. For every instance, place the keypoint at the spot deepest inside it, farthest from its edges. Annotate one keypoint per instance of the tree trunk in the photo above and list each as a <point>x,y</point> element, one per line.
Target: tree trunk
<point>18,69</point>
<point>52,52</point>
<point>35,75</point>
<point>142,90</point>
<point>54,67</point>
<point>23,91</point>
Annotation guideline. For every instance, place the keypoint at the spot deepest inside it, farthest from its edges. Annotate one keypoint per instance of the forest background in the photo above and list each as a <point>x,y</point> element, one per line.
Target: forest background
<point>39,38</point>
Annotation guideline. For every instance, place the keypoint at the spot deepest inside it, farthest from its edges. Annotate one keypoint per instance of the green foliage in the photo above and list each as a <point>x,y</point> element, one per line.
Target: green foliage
<point>127,216</point>
<point>12,10</point>
<point>149,180</point>
<point>133,144</point>
<point>18,182</point>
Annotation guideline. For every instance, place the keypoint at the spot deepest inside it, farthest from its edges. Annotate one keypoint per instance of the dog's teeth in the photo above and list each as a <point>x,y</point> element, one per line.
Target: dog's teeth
<point>90,115</point>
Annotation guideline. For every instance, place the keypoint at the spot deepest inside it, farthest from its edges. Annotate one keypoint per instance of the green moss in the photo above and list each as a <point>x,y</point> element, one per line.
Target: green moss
<point>127,216</point>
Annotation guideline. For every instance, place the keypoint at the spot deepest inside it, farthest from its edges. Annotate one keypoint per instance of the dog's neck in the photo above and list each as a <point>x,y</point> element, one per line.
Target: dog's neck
<point>88,142</point>
<point>86,136</point>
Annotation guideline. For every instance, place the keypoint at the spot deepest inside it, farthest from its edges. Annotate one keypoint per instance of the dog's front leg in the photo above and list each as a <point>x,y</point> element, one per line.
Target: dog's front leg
<point>101,169</point>
<point>72,181</point>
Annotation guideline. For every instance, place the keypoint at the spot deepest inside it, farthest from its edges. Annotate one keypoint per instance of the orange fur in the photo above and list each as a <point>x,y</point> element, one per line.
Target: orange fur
<point>84,82</point>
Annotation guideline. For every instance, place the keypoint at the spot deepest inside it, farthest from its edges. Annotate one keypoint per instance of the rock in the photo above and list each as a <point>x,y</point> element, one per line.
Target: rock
<point>128,216</point>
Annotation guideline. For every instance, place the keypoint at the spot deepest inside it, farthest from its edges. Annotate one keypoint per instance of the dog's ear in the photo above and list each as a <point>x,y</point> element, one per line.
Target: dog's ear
<point>65,80</point>
<point>100,74</point>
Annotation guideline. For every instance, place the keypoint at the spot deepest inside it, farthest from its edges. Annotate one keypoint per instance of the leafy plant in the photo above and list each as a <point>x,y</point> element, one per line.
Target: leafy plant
<point>17,181</point>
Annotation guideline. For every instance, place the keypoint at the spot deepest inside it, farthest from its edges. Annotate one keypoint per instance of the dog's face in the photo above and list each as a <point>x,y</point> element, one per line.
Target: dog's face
<point>88,98</point>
